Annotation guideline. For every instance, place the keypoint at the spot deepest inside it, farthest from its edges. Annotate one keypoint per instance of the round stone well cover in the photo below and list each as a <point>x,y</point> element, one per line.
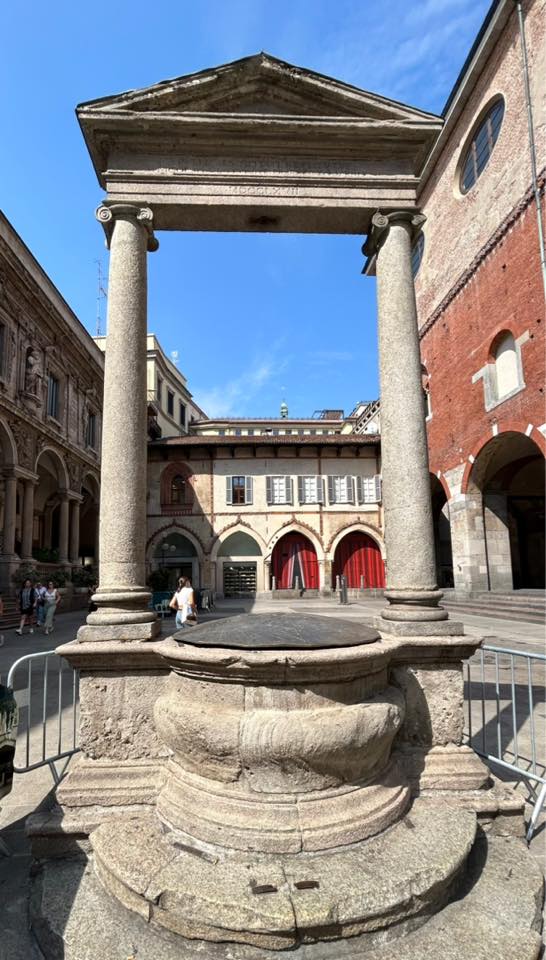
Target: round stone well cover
<point>277,631</point>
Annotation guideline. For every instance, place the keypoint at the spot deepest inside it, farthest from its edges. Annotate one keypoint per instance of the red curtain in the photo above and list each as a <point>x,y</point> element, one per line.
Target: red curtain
<point>294,552</point>
<point>357,556</point>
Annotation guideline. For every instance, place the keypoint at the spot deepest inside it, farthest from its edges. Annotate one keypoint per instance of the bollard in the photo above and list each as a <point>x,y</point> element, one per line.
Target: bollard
<point>362,581</point>
<point>343,595</point>
<point>297,583</point>
<point>273,583</point>
<point>337,584</point>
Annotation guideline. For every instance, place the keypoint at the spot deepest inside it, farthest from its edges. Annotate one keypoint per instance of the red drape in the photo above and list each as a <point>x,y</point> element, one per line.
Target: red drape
<point>293,551</point>
<point>357,556</point>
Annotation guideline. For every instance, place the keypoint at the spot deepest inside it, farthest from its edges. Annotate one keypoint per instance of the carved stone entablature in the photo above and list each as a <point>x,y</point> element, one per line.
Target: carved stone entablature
<point>74,472</point>
<point>25,439</point>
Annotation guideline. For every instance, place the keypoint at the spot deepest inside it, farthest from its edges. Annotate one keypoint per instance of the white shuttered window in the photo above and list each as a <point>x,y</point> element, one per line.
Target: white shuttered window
<point>341,490</point>
<point>239,490</point>
<point>369,489</point>
<point>310,489</point>
<point>279,490</point>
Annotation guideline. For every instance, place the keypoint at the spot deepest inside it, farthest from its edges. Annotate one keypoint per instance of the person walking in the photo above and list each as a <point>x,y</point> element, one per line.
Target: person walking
<point>52,599</point>
<point>40,603</point>
<point>183,601</point>
<point>27,602</point>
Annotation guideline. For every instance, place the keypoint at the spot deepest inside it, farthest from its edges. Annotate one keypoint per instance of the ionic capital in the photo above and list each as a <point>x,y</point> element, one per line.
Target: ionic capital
<point>107,214</point>
<point>379,231</point>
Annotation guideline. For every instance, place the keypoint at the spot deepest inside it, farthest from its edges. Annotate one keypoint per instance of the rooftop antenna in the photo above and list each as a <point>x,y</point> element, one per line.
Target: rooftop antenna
<point>101,295</point>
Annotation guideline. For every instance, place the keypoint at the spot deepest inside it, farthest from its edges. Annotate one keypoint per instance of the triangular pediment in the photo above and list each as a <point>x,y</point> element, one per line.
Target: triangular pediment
<point>257,85</point>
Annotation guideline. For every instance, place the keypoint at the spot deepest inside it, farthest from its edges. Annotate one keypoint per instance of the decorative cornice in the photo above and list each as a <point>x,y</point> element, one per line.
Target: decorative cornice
<point>483,254</point>
<point>108,213</point>
<point>379,231</point>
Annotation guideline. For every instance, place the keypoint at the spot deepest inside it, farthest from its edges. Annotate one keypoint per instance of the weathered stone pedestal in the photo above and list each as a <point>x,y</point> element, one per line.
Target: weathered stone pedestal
<point>315,799</point>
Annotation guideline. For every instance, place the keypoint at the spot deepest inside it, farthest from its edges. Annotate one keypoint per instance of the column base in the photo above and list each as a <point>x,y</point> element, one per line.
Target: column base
<point>98,633</point>
<point>418,628</point>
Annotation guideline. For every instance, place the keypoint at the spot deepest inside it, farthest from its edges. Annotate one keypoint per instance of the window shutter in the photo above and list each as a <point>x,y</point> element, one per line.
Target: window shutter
<point>229,490</point>
<point>377,483</point>
<point>350,489</point>
<point>269,489</point>
<point>320,490</point>
<point>301,489</point>
<point>289,497</point>
<point>332,489</point>
<point>359,490</point>
<point>248,489</point>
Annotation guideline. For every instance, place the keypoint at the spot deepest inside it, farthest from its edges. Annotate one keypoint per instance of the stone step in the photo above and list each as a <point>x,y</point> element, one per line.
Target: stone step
<point>495,914</point>
<point>499,611</point>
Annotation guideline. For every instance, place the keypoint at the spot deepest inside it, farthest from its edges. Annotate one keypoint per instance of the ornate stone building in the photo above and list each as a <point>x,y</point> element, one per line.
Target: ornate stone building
<point>51,379</point>
<point>480,286</point>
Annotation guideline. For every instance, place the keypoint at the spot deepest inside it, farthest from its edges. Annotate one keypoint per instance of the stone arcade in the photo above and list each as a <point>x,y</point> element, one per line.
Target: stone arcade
<point>273,785</point>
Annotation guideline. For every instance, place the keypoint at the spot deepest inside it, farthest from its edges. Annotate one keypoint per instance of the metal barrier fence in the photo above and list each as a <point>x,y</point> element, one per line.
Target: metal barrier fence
<point>502,697</point>
<point>54,712</point>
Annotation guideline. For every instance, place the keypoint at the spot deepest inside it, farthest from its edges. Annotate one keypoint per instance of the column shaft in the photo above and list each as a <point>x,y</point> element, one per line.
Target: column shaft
<point>28,521</point>
<point>75,532</point>
<point>122,596</point>
<point>411,570</point>
<point>10,514</point>
<point>63,529</point>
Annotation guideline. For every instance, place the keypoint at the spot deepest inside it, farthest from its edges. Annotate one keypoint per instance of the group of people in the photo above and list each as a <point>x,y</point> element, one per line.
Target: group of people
<point>38,601</point>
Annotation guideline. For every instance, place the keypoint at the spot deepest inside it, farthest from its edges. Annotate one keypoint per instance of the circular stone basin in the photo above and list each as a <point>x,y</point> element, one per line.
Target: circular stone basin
<point>277,631</point>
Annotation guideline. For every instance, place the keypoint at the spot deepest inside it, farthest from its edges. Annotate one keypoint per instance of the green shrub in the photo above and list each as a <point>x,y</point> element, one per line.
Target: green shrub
<point>159,579</point>
<point>84,576</point>
<point>26,571</point>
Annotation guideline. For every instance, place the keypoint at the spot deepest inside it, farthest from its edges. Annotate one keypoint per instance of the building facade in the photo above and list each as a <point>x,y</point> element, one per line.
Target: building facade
<point>51,381</point>
<point>246,514</point>
<point>171,407</point>
<point>480,296</point>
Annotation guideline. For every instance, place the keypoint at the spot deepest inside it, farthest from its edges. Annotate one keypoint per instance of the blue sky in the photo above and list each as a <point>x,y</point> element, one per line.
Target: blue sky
<point>253,317</point>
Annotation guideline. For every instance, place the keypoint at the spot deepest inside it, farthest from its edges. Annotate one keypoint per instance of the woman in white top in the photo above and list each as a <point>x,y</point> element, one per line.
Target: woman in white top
<point>52,599</point>
<point>184,603</point>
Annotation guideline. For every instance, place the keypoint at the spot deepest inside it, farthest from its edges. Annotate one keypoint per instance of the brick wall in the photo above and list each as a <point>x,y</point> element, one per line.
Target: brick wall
<point>504,292</point>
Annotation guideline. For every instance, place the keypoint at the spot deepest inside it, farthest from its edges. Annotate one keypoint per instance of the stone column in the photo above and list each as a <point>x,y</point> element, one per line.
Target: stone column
<point>468,543</point>
<point>75,532</point>
<point>497,540</point>
<point>411,591</point>
<point>28,520</point>
<point>10,513</point>
<point>63,527</point>
<point>122,597</point>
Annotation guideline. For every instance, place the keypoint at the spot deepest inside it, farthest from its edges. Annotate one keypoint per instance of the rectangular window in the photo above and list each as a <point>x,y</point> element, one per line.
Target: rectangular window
<point>91,432</point>
<point>52,397</point>
<point>279,490</point>
<point>182,413</point>
<point>310,489</point>
<point>369,489</point>
<point>239,490</point>
<point>170,403</point>
<point>341,490</point>
<point>159,393</point>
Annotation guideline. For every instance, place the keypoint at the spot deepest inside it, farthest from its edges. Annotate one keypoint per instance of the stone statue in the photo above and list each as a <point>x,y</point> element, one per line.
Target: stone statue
<point>33,373</point>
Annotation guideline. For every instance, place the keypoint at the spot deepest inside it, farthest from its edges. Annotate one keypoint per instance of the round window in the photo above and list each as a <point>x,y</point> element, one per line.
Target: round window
<point>481,145</point>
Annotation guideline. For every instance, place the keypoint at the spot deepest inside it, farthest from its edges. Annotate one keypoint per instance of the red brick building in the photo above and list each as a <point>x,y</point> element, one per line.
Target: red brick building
<point>480,288</point>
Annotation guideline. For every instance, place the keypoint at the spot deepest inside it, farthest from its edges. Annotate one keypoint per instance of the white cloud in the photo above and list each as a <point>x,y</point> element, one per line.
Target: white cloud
<point>231,398</point>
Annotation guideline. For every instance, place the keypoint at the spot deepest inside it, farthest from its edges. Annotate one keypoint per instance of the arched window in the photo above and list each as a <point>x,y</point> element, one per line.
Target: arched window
<point>481,145</point>
<point>507,377</point>
<point>417,254</point>
<point>178,490</point>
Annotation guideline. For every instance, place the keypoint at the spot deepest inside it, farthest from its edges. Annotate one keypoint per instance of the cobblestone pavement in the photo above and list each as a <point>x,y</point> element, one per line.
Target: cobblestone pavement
<point>33,788</point>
